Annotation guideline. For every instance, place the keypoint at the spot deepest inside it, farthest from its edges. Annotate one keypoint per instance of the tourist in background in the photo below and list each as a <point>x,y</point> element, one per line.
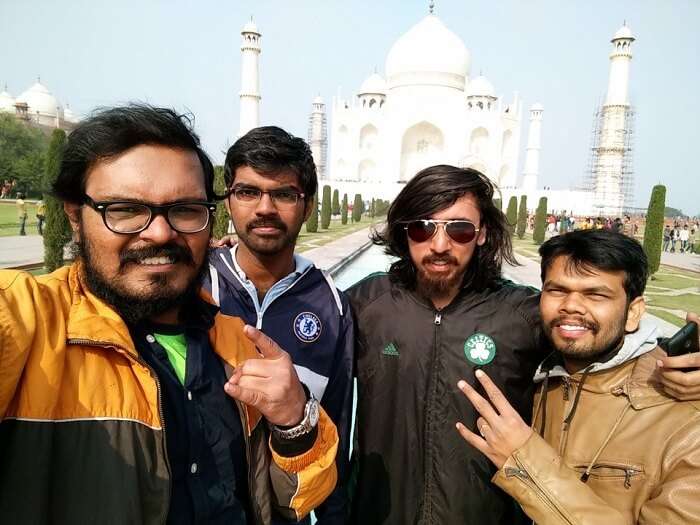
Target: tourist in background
<point>40,216</point>
<point>271,182</point>
<point>21,213</point>
<point>683,236</point>
<point>668,232</point>
<point>692,240</point>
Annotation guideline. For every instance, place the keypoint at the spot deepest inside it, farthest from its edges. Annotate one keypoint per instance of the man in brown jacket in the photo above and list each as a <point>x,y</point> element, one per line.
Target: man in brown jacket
<point>608,445</point>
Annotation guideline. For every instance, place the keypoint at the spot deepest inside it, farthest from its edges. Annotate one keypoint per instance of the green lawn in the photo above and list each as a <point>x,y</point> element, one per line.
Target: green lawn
<point>9,223</point>
<point>307,241</point>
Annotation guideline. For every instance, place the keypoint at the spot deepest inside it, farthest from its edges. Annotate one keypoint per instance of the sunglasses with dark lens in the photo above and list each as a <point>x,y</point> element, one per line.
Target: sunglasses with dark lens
<point>458,230</point>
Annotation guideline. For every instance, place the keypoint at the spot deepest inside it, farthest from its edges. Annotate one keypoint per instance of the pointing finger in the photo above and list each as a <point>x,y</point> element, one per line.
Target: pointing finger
<point>266,346</point>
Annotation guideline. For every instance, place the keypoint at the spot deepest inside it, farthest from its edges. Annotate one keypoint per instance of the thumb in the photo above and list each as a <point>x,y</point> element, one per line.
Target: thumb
<point>266,346</point>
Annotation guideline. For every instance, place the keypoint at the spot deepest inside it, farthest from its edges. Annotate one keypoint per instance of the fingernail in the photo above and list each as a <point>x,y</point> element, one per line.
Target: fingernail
<point>660,364</point>
<point>461,384</point>
<point>479,373</point>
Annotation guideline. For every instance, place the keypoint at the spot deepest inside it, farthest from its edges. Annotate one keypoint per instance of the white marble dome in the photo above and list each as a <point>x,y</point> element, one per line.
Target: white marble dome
<point>373,84</point>
<point>40,100</point>
<point>480,87</point>
<point>7,102</point>
<point>623,32</point>
<point>428,53</point>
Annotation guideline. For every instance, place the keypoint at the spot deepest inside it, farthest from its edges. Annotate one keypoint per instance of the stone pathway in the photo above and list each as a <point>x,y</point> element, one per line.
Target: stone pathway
<point>333,256</point>
<point>19,251</point>
<point>686,261</point>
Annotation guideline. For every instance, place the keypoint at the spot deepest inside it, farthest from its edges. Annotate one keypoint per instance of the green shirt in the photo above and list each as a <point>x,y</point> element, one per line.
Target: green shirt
<point>175,346</point>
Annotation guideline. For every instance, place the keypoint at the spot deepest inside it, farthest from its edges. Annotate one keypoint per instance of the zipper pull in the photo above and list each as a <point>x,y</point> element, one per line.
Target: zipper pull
<point>438,318</point>
<point>628,478</point>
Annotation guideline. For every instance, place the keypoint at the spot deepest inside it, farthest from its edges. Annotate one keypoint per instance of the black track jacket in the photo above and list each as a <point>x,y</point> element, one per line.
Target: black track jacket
<point>412,466</point>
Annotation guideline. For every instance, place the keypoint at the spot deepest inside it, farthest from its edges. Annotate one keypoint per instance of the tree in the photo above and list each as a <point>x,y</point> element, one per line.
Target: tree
<point>498,204</point>
<point>312,221</point>
<point>522,217</point>
<point>57,231</point>
<point>335,209</point>
<point>372,208</point>
<point>344,210</point>
<point>357,208</point>
<point>221,215</point>
<point>540,221</point>
<point>326,208</point>
<point>512,213</point>
<point>653,232</point>
<point>22,155</point>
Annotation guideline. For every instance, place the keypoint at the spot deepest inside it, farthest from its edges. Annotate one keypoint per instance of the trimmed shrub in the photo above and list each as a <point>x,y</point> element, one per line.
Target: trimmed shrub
<point>522,217</point>
<point>357,208</point>
<point>540,221</point>
<point>312,221</point>
<point>326,208</point>
<point>512,213</point>
<point>335,208</point>
<point>344,210</point>
<point>221,217</point>
<point>57,231</point>
<point>653,232</point>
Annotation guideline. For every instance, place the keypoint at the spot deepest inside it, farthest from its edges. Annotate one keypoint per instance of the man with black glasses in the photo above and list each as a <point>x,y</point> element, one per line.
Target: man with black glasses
<point>442,312</point>
<point>118,400</point>
<point>271,182</point>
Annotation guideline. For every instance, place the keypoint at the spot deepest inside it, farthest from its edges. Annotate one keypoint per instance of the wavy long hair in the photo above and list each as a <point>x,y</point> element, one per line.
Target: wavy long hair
<point>432,190</point>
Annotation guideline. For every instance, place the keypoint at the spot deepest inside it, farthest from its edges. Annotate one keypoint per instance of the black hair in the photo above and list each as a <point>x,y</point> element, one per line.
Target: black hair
<point>109,132</point>
<point>432,190</point>
<point>269,150</point>
<point>605,250</point>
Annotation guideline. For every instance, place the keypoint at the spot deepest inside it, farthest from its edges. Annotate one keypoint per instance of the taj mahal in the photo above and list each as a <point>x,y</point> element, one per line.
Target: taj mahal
<point>427,108</point>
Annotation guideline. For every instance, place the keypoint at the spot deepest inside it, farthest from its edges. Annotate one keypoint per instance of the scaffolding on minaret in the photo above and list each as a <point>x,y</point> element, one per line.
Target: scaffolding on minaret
<point>318,137</point>
<point>610,171</point>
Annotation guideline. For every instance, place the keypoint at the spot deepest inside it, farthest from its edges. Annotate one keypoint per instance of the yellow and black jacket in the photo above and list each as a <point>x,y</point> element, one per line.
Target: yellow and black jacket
<point>81,427</point>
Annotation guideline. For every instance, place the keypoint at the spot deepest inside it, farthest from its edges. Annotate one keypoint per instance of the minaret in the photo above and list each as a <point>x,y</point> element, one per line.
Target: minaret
<point>250,79</point>
<point>612,148</point>
<point>318,136</point>
<point>534,144</point>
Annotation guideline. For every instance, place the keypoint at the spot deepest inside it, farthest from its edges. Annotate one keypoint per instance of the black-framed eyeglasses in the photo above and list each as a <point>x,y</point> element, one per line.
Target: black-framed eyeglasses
<point>129,217</point>
<point>459,230</point>
<point>282,198</point>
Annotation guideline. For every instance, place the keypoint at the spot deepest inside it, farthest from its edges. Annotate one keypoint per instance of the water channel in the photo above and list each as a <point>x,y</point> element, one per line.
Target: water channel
<point>371,260</point>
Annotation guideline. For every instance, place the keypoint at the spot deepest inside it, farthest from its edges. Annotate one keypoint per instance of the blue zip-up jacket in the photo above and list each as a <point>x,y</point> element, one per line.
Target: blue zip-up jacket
<point>311,319</point>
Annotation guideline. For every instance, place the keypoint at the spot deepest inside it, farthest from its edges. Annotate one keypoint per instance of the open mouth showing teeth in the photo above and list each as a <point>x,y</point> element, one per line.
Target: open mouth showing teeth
<point>154,261</point>
<point>572,327</point>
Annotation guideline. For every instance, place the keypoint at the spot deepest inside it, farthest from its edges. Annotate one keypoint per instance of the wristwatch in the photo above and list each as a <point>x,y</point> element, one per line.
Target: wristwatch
<point>307,424</point>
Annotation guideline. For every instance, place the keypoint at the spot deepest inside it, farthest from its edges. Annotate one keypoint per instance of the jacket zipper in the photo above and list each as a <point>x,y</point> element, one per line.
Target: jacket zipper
<point>563,438</point>
<point>426,510</point>
<point>161,412</point>
<point>627,471</point>
<point>248,454</point>
<point>525,478</point>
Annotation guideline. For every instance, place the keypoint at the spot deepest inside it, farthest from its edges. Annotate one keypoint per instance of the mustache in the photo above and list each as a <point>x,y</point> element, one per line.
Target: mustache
<point>175,252</point>
<point>266,222</point>
<point>591,325</point>
<point>430,259</point>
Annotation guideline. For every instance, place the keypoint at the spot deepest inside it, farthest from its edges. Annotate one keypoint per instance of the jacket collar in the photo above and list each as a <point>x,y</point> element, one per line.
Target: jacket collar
<point>90,319</point>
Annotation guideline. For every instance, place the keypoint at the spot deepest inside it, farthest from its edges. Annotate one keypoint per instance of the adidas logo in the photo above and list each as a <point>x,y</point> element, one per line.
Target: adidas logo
<point>390,349</point>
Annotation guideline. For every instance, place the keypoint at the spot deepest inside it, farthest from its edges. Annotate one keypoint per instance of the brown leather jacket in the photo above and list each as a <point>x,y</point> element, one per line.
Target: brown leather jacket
<point>637,449</point>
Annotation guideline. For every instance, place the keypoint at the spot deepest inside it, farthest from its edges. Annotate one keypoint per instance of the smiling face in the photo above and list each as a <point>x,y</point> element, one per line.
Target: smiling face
<point>147,273</point>
<point>440,261</point>
<point>264,227</point>
<point>584,310</point>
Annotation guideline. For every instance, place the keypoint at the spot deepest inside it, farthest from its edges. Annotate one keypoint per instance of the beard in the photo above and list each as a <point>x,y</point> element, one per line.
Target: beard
<point>266,246</point>
<point>431,285</point>
<point>155,298</point>
<point>606,340</point>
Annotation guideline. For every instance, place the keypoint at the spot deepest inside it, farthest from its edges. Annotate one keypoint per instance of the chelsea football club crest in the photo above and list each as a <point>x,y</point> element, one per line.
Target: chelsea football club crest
<point>480,349</point>
<point>307,327</point>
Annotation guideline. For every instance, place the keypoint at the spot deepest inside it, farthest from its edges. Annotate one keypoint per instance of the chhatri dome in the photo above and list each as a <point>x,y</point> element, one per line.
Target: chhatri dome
<point>40,101</point>
<point>374,85</point>
<point>428,53</point>
<point>623,32</point>
<point>481,87</point>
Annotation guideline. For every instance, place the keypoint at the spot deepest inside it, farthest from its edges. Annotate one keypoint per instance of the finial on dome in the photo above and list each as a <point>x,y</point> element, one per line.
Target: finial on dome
<point>38,79</point>
<point>431,7</point>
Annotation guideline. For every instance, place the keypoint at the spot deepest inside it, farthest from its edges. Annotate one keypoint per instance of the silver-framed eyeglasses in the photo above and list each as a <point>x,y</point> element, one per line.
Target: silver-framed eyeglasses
<point>281,198</point>
<point>459,230</point>
<point>130,217</point>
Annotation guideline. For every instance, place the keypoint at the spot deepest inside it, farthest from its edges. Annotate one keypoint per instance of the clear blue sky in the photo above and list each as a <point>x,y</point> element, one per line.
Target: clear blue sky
<point>185,54</point>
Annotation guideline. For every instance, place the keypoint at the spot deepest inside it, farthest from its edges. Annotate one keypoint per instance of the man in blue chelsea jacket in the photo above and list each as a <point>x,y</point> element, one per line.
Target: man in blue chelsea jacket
<point>271,182</point>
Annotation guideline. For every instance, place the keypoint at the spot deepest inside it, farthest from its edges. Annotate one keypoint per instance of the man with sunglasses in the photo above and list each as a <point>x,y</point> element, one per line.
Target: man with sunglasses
<point>441,313</point>
<point>271,181</point>
<point>117,378</point>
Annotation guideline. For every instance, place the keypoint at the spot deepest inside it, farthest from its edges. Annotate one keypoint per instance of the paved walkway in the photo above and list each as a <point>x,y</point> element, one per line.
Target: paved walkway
<point>685,261</point>
<point>18,251</point>
<point>529,274</point>
<point>333,256</point>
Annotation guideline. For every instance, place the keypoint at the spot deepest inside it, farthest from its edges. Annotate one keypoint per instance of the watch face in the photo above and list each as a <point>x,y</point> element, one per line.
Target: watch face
<point>313,413</point>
